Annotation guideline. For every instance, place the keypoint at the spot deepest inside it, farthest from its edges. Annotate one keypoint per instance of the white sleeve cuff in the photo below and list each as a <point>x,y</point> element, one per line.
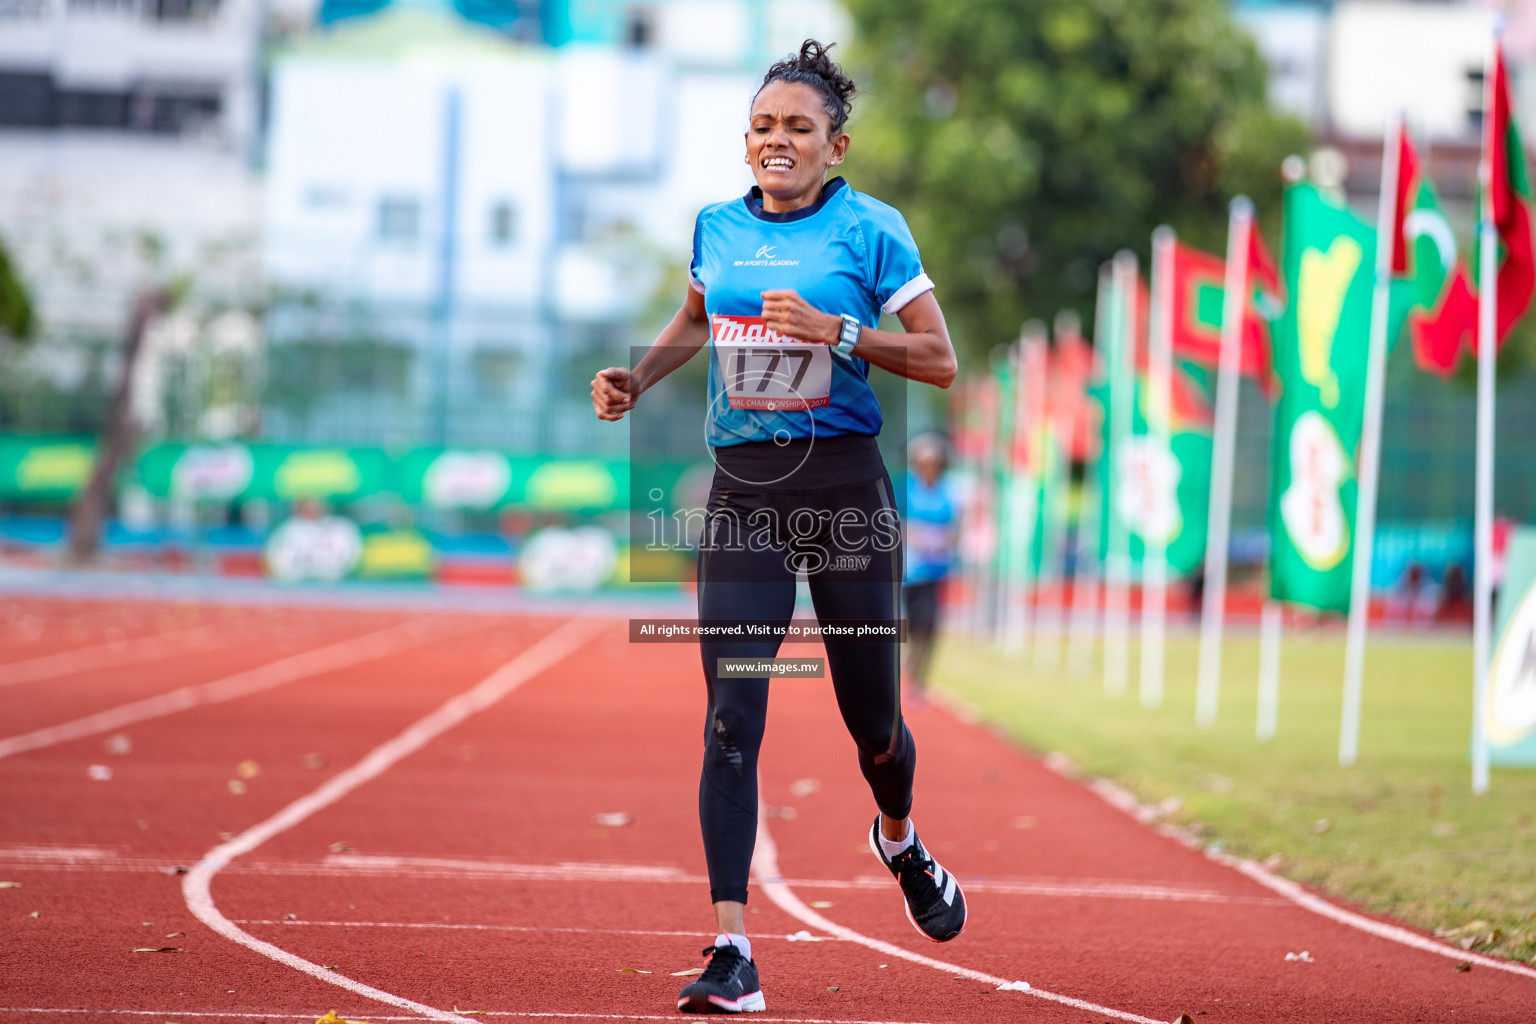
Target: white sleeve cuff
<point>907,292</point>
<point>693,283</point>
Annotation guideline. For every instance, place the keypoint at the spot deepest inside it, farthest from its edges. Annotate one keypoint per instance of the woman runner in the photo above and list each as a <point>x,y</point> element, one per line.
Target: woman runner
<point>788,282</point>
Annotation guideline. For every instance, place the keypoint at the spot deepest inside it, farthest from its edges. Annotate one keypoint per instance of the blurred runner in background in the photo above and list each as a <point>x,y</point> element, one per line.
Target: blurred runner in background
<point>930,542</point>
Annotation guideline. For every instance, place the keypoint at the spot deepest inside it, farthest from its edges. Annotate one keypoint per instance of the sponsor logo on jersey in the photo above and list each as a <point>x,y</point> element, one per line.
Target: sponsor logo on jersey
<point>767,256</point>
<point>748,330</point>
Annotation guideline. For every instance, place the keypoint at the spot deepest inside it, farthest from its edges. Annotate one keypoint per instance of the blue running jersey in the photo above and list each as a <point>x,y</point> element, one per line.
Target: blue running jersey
<point>845,253</point>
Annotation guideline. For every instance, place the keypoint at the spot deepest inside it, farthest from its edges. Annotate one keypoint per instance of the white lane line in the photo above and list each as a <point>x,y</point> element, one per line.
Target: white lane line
<point>765,870</point>
<point>195,886</point>
<point>454,926</point>
<point>546,1014</point>
<point>119,652</point>
<point>1380,929</point>
<point>1123,799</point>
<point>438,868</point>
<point>367,647</point>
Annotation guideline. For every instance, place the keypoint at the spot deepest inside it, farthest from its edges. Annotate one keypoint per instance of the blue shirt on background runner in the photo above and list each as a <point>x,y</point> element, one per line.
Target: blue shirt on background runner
<point>930,530</point>
<point>845,253</point>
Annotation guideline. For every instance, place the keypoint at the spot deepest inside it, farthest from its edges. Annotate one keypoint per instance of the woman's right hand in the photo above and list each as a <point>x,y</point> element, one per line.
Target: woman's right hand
<point>614,392</point>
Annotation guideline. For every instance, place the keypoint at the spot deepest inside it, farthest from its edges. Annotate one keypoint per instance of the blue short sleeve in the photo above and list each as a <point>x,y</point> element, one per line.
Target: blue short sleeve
<point>896,263</point>
<point>694,264</point>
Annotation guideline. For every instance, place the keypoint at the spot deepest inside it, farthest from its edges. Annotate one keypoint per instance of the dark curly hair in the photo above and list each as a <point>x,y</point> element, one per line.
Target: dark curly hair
<point>813,67</point>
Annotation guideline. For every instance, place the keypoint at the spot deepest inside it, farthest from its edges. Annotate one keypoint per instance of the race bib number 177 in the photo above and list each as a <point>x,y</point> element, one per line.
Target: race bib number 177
<point>763,369</point>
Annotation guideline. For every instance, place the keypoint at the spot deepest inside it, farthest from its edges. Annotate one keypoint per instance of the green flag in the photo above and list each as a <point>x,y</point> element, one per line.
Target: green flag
<point>1320,360</point>
<point>1145,487</point>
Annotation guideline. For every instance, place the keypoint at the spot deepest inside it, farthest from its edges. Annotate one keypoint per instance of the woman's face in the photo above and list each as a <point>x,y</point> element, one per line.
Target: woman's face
<point>790,143</point>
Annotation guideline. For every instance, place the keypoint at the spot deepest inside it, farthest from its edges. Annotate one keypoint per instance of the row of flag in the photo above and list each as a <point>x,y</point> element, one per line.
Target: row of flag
<point>1151,408</point>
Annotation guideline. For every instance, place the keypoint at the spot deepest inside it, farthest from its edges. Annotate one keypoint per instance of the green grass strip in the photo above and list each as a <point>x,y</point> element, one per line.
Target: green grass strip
<point>1400,833</point>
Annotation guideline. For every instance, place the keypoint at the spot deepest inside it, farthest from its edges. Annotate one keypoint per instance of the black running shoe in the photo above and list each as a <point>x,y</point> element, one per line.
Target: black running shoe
<point>728,985</point>
<point>935,904</point>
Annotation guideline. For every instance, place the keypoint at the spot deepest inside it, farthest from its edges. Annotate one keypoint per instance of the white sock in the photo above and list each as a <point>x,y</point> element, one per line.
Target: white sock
<point>741,942</point>
<point>892,847</point>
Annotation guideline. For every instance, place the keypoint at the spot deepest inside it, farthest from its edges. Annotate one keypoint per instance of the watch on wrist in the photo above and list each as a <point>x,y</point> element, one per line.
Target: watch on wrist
<point>848,337</point>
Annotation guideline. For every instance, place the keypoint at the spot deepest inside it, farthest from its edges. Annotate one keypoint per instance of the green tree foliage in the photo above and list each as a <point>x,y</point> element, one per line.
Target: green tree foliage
<point>1028,140</point>
<point>16,317</point>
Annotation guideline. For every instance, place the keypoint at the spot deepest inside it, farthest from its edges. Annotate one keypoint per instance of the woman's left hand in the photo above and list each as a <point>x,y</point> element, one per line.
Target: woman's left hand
<point>786,312</point>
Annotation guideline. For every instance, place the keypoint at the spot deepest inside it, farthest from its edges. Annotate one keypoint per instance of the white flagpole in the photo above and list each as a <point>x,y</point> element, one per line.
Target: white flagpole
<point>1213,613</point>
<point>1022,498</point>
<point>1154,592</point>
<point>1269,671</point>
<point>1368,465</point>
<point>1487,355</point>
<point>1050,615</point>
<point>1117,569</point>
<point>1085,583</point>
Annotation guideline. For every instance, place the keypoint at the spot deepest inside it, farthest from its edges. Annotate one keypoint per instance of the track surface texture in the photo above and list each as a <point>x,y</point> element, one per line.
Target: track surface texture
<point>423,825</point>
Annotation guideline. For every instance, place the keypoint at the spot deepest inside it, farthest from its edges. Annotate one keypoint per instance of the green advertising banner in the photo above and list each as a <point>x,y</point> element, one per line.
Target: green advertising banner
<point>1320,345</point>
<point>55,468</point>
<point>50,468</point>
<point>229,470</point>
<point>1509,719</point>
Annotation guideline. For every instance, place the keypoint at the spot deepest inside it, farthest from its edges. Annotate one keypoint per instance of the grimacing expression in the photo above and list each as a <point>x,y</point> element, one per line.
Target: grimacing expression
<point>790,143</point>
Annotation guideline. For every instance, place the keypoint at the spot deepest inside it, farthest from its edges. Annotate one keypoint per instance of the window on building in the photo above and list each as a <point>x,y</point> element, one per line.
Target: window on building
<point>399,219</point>
<point>26,100</point>
<point>183,10</point>
<point>503,224</point>
<point>640,27</point>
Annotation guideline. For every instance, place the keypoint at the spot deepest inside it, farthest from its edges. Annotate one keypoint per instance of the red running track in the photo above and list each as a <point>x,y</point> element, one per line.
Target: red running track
<point>429,852</point>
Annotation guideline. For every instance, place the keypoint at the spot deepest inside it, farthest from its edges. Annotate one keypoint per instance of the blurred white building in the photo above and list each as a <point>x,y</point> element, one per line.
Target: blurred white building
<point>502,210</point>
<point>127,127</point>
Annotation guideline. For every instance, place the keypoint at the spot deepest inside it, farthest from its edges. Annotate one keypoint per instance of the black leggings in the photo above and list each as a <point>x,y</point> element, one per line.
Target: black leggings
<point>848,541</point>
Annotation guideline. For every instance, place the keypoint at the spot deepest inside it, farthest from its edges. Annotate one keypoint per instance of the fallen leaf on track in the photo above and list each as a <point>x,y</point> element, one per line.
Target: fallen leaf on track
<point>1464,966</point>
<point>832,988</point>
<point>688,973</point>
<point>1014,986</point>
<point>248,769</point>
<point>159,949</point>
<point>177,935</point>
<point>331,1018</point>
<point>633,970</point>
<point>1303,957</point>
<point>821,904</point>
<point>1183,1018</point>
<point>10,885</point>
<point>613,819</point>
<point>341,846</point>
<point>471,1013</point>
<point>177,870</point>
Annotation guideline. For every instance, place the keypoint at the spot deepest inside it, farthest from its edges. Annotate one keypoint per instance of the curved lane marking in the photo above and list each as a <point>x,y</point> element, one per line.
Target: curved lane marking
<point>765,870</point>
<point>367,647</point>
<point>196,885</point>
<point>1122,799</point>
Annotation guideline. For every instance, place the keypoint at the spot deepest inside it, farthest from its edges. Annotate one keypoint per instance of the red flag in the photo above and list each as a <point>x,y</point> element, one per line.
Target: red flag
<point>1443,316</point>
<point>1199,283</point>
<point>1509,189</point>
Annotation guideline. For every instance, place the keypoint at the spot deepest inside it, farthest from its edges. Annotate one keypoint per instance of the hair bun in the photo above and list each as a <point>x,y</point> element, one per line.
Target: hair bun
<point>814,66</point>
